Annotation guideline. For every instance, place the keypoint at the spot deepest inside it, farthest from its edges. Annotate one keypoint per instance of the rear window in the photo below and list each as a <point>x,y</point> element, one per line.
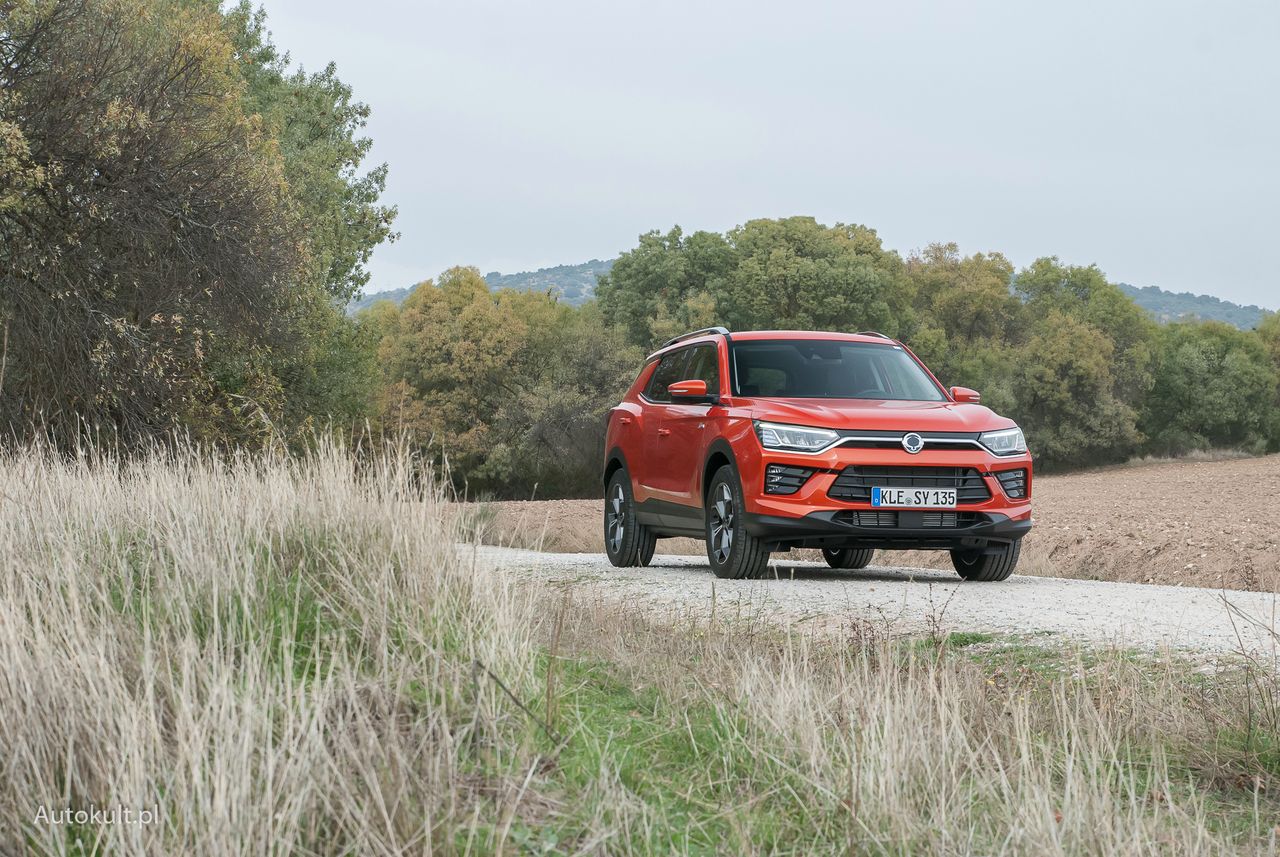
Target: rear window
<point>830,369</point>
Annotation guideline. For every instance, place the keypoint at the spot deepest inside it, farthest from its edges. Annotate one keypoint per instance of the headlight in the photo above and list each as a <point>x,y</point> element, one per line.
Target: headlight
<point>1004,442</point>
<point>794,438</point>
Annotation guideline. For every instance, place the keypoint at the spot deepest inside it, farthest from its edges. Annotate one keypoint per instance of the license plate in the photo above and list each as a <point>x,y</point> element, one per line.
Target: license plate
<point>918,498</point>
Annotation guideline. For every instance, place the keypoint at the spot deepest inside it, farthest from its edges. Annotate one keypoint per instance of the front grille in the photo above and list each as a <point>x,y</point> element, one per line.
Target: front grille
<point>1014,483</point>
<point>854,483</point>
<point>781,479</point>
<point>908,520</point>
<point>868,519</point>
<point>948,520</point>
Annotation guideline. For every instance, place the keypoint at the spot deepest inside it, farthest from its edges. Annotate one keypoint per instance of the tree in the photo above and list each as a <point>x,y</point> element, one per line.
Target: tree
<point>146,223</point>
<point>1215,387</point>
<point>1066,395</point>
<point>1082,292</point>
<point>788,273</point>
<point>969,297</point>
<point>509,388</point>
<point>317,125</point>
<point>668,281</point>
<point>181,221</point>
<point>795,273</point>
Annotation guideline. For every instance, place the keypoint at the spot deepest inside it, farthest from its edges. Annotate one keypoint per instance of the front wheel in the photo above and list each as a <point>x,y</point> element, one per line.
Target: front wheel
<point>848,557</point>
<point>731,550</point>
<point>626,542</point>
<point>979,565</point>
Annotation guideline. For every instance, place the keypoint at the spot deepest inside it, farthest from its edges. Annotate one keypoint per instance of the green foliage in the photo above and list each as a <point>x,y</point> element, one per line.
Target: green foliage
<point>509,388</point>
<point>1066,396</point>
<point>785,274</point>
<point>797,274</point>
<point>660,278</point>
<point>181,218</point>
<point>1216,386</point>
<point>316,125</point>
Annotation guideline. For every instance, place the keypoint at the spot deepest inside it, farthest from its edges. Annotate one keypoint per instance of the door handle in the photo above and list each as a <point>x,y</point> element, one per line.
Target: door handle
<point>626,421</point>
<point>663,432</point>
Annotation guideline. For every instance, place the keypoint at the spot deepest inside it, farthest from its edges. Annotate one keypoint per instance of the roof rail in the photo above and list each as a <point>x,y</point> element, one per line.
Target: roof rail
<point>691,334</point>
<point>876,333</point>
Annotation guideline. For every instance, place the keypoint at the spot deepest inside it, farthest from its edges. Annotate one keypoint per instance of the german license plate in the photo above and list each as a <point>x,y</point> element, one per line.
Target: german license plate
<point>916,498</point>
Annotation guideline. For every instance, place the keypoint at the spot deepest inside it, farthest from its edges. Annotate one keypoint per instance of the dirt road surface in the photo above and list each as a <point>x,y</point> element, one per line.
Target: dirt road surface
<point>1179,523</point>
<point>896,600</point>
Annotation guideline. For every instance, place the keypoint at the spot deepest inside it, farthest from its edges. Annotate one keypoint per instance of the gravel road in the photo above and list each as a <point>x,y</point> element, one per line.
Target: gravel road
<point>902,600</point>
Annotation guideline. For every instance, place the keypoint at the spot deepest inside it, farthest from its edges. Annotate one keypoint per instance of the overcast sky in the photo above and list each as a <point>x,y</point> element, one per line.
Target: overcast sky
<point>1143,136</point>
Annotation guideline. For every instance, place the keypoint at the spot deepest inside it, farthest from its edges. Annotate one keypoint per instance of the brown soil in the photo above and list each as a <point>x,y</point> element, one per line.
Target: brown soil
<point>1183,523</point>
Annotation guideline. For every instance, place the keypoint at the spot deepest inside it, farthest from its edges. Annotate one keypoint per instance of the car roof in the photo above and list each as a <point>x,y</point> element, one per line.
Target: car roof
<point>766,335</point>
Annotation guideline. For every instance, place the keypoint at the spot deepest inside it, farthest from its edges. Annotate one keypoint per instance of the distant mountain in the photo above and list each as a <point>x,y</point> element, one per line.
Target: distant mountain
<point>574,284</point>
<point>396,296</point>
<point>1184,306</point>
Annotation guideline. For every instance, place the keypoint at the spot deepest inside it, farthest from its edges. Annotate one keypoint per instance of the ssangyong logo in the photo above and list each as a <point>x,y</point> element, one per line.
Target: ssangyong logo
<point>912,442</point>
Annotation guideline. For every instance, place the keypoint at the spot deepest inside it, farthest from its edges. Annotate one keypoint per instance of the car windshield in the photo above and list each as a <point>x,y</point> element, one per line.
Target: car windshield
<point>830,369</point>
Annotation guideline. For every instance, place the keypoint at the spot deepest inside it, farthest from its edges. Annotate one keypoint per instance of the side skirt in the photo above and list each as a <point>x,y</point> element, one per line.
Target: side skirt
<point>671,519</point>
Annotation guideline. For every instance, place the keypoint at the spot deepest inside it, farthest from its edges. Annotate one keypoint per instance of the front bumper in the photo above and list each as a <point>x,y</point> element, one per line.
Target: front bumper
<point>811,517</point>
<point>837,529</point>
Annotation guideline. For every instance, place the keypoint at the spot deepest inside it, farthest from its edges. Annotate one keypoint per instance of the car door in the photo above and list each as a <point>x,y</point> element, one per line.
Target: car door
<point>653,473</point>
<point>681,431</point>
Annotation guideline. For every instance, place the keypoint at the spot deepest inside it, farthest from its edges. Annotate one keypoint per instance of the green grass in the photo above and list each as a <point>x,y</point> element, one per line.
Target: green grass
<point>705,788</point>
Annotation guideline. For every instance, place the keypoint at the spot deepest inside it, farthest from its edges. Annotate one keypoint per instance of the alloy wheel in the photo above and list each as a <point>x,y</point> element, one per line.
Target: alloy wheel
<point>616,523</point>
<point>722,523</point>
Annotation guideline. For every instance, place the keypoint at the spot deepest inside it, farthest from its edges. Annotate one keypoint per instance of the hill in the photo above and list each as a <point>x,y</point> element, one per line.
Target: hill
<point>574,283</point>
<point>1184,306</point>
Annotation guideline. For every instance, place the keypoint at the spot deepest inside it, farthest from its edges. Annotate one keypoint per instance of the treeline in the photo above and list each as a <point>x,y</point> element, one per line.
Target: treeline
<point>514,385</point>
<point>184,218</point>
<point>1083,369</point>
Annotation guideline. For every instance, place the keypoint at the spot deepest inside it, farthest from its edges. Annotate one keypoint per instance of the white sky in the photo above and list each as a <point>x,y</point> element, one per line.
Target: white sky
<point>1143,136</point>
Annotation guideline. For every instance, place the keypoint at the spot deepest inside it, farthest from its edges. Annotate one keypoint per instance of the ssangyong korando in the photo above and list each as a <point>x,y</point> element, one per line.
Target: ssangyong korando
<point>764,441</point>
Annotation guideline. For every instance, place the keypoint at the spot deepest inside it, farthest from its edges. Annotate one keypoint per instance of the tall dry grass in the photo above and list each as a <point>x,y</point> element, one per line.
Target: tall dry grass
<point>291,656</point>
<point>277,652</point>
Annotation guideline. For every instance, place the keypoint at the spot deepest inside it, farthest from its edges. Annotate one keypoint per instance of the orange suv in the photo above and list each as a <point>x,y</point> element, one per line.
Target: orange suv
<point>767,440</point>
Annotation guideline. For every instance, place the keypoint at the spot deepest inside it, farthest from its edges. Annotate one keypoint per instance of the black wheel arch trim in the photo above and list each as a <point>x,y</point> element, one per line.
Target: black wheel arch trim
<point>617,456</point>
<point>720,447</point>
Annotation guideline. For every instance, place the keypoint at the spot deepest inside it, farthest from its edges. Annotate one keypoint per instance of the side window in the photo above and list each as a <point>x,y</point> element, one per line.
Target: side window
<point>704,365</point>
<point>670,370</point>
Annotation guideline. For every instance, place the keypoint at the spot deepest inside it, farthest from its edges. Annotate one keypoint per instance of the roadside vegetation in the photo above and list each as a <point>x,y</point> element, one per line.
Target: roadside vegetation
<point>290,655</point>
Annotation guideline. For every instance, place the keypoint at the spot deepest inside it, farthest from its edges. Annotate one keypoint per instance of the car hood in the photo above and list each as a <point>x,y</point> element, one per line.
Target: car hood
<point>879,415</point>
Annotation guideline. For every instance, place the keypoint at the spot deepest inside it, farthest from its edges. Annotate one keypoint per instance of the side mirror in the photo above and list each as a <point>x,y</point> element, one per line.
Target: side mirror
<point>964,394</point>
<point>689,392</point>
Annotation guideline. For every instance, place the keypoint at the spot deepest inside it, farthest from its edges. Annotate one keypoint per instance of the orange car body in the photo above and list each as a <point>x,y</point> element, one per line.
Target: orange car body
<point>672,444</point>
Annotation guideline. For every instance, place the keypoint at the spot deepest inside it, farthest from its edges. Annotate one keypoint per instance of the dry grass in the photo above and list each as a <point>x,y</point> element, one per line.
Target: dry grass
<point>278,653</point>
<point>291,657</point>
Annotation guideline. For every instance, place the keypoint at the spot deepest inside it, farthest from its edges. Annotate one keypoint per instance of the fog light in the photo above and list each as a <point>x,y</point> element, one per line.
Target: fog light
<point>1014,483</point>
<point>783,479</point>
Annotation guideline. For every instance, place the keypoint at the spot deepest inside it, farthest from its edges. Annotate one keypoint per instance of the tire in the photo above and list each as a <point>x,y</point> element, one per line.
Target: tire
<point>987,567</point>
<point>627,543</point>
<point>731,550</point>
<point>848,557</point>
